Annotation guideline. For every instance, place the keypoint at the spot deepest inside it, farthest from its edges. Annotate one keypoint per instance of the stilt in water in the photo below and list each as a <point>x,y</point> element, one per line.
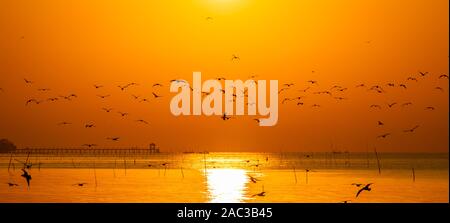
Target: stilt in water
<point>125,165</point>
<point>413,175</point>
<point>295,175</point>
<point>378,161</point>
<point>95,175</point>
<point>10,160</point>
<point>182,173</point>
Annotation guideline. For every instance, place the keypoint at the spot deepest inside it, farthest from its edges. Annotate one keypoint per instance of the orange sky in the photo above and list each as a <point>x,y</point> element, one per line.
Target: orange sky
<point>68,46</point>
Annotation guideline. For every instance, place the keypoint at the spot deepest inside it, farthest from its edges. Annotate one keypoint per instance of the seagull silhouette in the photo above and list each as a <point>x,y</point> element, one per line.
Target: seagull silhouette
<point>406,104</point>
<point>103,96</point>
<point>225,117</point>
<point>423,74</point>
<point>107,109</point>
<point>443,76</point>
<point>360,85</point>
<point>89,145</point>
<point>439,88</point>
<point>375,106</point>
<point>403,86</point>
<point>384,135</point>
<point>412,79</point>
<point>155,95</point>
<point>12,184</point>
<point>27,176</point>
<point>89,126</point>
<point>235,57</point>
<point>304,90</point>
<point>366,187</point>
<point>64,123</point>
<point>43,89</point>
<point>429,108</point>
<point>312,81</point>
<point>142,121</point>
<point>413,129</point>
<point>79,184</point>
<point>391,105</point>
<point>157,85</point>
<point>113,138</point>
<point>123,114</point>
<point>97,86</point>
<point>253,179</point>
<point>380,123</point>
<point>28,81</point>
<point>262,194</point>
<point>52,99</point>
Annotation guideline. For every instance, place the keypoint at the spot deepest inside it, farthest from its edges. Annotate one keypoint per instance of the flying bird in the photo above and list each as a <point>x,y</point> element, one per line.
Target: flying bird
<point>12,184</point>
<point>429,108</point>
<point>439,88</point>
<point>304,90</point>
<point>64,123</point>
<point>113,138</point>
<point>403,86</point>
<point>413,129</point>
<point>262,194</point>
<point>423,74</point>
<point>375,106</point>
<point>312,81</point>
<point>443,76</point>
<point>412,79</point>
<point>97,86</point>
<point>155,95</point>
<point>103,96</point>
<point>43,89</point>
<point>107,109</point>
<point>142,121</point>
<point>52,99</point>
<point>406,104</point>
<point>89,145</point>
<point>391,105</point>
<point>235,57</point>
<point>79,184</point>
<point>123,114</point>
<point>253,179</point>
<point>157,85</point>
<point>28,81</point>
<point>89,126</point>
<point>366,187</point>
<point>360,85</point>
<point>288,85</point>
<point>225,117</point>
<point>384,135</point>
<point>380,123</point>
<point>27,176</point>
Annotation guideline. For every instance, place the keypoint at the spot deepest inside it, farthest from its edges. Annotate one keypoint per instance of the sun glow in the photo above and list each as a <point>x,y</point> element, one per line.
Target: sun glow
<point>226,185</point>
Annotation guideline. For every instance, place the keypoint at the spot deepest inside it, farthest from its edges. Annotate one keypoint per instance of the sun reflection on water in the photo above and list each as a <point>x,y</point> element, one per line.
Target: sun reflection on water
<point>227,185</point>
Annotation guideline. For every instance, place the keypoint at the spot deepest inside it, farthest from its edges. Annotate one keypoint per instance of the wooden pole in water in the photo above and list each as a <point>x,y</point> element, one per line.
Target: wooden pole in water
<point>182,174</point>
<point>413,175</point>
<point>295,175</point>
<point>204,162</point>
<point>10,160</point>
<point>125,165</point>
<point>95,175</point>
<point>378,161</point>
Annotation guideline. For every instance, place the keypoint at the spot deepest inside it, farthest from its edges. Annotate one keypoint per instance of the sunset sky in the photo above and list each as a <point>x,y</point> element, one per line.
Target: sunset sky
<point>69,46</point>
